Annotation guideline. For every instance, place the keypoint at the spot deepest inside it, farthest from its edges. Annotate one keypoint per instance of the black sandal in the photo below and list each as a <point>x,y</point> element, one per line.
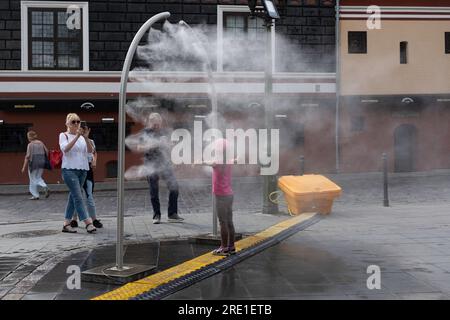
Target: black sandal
<point>68,229</point>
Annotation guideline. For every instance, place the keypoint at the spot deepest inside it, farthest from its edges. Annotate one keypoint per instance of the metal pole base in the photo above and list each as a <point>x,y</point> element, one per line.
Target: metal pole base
<point>110,274</point>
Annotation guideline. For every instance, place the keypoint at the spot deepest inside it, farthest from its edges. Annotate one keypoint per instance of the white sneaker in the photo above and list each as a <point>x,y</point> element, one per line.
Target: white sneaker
<point>157,221</point>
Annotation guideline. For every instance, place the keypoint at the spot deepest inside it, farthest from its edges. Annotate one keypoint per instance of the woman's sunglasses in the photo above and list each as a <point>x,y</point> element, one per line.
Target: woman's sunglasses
<point>76,121</point>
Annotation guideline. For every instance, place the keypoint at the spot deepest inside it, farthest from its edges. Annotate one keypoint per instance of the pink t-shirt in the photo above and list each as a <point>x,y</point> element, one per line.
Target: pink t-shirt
<point>221,180</point>
<point>221,177</point>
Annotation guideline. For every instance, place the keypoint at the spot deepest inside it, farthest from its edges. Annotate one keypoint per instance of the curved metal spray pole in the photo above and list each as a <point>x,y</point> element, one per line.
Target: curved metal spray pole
<point>122,118</point>
<point>213,107</point>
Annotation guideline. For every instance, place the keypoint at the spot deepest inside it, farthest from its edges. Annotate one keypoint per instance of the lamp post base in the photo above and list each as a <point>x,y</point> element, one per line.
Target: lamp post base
<point>111,275</point>
<point>270,185</point>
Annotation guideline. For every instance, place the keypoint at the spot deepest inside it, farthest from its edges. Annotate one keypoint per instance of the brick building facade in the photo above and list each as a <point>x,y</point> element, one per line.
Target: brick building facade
<point>40,85</point>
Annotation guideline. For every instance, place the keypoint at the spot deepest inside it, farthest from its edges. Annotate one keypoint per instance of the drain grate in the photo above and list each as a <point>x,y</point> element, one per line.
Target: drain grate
<point>30,234</point>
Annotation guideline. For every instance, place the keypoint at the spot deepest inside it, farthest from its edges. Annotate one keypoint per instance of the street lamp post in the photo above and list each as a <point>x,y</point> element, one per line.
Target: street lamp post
<point>269,14</point>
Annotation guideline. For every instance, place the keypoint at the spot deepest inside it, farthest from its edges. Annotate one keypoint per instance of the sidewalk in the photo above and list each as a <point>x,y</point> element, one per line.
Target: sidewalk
<point>30,258</point>
<point>31,243</point>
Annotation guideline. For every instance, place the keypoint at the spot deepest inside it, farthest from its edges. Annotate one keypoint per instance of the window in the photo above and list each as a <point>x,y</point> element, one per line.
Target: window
<point>54,35</point>
<point>357,124</point>
<point>105,135</point>
<point>447,42</point>
<point>242,31</point>
<point>111,169</point>
<point>298,138</point>
<point>241,40</point>
<point>13,137</point>
<point>357,42</point>
<point>403,52</point>
<point>292,133</point>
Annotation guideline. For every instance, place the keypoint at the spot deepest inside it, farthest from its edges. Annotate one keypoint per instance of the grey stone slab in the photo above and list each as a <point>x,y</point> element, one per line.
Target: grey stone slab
<point>39,296</point>
<point>423,296</point>
<point>15,296</point>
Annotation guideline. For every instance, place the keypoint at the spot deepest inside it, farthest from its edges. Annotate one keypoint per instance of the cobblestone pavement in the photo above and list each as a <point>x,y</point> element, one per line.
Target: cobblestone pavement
<point>358,190</point>
<point>193,199</point>
<point>409,232</point>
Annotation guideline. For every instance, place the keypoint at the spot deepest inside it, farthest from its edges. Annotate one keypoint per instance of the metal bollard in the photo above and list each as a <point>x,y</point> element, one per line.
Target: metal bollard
<point>385,180</point>
<point>302,165</point>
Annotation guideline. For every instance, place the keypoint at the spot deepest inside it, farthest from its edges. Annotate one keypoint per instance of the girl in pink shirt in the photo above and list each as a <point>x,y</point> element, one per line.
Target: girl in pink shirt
<point>223,200</point>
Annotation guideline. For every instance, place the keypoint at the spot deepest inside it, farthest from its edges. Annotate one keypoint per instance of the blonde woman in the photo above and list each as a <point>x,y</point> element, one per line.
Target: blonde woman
<point>89,191</point>
<point>75,146</point>
<point>35,161</point>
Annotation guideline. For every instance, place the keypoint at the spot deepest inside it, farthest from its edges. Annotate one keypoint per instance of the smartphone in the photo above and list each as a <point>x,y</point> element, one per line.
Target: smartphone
<point>83,124</point>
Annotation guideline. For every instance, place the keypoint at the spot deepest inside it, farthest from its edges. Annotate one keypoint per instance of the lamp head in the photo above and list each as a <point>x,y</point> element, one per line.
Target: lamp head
<point>271,9</point>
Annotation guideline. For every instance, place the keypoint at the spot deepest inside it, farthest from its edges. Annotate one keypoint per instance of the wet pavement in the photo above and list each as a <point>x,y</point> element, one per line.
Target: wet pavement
<point>163,255</point>
<point>409,241</point>
<point>330,259</point>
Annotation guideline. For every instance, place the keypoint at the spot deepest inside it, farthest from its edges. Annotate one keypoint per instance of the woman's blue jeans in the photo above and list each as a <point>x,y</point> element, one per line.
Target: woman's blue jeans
<point>74,180</point>
<point>90,203</point>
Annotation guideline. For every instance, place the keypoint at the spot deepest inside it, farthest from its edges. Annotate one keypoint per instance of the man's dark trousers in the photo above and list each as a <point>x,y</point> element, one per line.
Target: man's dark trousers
<point>172,185</point>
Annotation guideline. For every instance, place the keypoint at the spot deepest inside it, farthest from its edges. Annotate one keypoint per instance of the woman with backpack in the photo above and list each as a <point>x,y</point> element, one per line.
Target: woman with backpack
<point>35,160</point>
<point>75,146</point>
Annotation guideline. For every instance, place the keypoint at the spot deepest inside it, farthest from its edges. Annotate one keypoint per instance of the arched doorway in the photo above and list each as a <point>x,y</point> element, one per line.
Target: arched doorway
<point>405,140</point>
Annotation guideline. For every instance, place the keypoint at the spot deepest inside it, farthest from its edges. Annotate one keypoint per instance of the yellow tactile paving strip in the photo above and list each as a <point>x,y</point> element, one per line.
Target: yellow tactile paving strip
<point>133,289</point>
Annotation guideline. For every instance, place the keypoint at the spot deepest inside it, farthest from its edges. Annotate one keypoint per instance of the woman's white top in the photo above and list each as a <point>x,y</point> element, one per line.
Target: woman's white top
<point>77,157</point>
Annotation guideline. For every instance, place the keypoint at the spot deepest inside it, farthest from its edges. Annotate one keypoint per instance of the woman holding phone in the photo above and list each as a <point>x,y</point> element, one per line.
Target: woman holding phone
<point>88,187</point>
<point>75,146</point>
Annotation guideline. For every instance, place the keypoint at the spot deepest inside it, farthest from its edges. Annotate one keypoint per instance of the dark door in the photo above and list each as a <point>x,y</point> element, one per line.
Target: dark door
<point>405,147</point>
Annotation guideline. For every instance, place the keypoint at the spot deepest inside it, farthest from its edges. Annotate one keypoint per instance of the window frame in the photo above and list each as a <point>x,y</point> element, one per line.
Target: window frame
<point>221,11</point>
<point>365,50</point>
<point>26,37</point>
